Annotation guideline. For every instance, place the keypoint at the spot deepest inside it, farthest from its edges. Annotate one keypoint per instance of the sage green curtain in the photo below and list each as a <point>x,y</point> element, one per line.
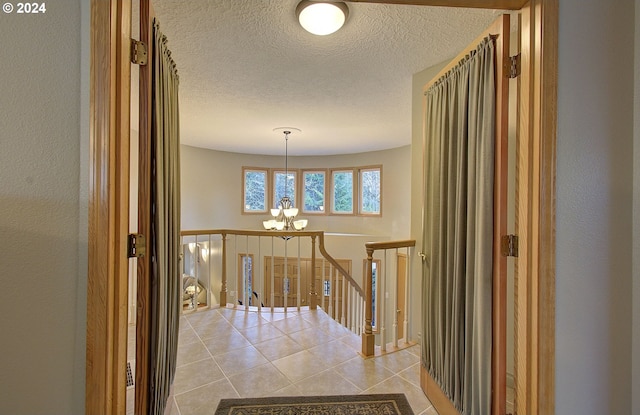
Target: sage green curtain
<point>458,232</point>
<point>165,223</point>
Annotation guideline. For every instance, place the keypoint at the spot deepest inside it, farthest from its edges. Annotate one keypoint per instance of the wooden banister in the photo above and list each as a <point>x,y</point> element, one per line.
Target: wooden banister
<point>368,337</point>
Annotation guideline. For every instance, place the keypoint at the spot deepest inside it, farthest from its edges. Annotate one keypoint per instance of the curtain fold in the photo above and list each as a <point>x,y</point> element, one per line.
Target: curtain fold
<point>458,231</point>
<point>165,223</point>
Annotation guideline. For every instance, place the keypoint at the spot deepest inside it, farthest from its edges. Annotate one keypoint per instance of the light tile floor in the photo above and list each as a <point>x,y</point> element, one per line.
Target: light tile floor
<point>225,353</point>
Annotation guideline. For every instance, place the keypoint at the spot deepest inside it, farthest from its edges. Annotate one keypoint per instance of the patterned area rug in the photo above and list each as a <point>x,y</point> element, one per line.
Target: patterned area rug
<point>388,404</point>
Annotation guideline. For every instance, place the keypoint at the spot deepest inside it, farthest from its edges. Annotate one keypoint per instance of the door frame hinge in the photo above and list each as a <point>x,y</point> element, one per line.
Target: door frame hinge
<point>514,66</point>
<point>138,52</point>
<point>136,245</point>
<point>509,245</point>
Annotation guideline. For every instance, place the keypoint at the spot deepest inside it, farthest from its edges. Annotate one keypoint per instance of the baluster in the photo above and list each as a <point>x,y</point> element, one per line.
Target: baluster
<point>285,280</point>
<point>223,287</point>
<point>336,295</point>
<point>194,301</point>
<point>407,297</point>
<point>245,275</point>
<point>313,294</point>
<point>368,340</point>
<point>209,284</point>
<point>272,276</point>
<point>354,311</point>
<point>361,314</point>
<point>235,271</point>
<point>382,277</point>
<point>299,278</point>
<point>324,279</point>
<point>350,308</point>
<point>345,298</point>
<point>331,294</point>
<point>259,278</point>
<point>395,301</point>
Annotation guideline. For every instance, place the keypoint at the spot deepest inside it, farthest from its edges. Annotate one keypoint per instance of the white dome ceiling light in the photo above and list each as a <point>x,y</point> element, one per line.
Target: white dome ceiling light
<point>321,18</point>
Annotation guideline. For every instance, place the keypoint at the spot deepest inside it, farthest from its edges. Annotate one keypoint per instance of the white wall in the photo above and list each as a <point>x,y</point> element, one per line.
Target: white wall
<point>43,222</point>
<point>594,213</point>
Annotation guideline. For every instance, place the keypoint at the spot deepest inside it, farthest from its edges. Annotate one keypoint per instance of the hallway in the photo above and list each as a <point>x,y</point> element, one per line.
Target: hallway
<point>225,353</point>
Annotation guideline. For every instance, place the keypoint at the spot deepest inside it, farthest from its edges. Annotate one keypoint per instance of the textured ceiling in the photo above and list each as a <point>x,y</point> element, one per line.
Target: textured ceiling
<point>247,67</point>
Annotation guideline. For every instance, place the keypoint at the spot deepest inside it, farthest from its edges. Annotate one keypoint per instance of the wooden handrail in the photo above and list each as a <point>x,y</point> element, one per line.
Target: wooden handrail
<point>390,244</point>
<point>333,262</point>
<point>368,337</point>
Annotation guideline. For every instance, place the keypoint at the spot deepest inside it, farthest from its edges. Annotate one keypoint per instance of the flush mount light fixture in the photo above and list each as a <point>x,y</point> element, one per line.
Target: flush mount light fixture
<point>321,17</point>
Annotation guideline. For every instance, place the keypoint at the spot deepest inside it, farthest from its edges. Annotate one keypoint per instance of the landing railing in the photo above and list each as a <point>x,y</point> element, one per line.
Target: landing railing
<point>283,270</point>
<point>387,296</point>
<point>293,282</point>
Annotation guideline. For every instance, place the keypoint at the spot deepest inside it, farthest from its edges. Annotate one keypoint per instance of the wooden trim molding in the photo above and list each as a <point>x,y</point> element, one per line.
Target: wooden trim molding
<point>478,4</point>
<point>143,299</point>
<point>548,68</point>
<point>438,399</point>
<point>535,216</point>
<point>106,350</point>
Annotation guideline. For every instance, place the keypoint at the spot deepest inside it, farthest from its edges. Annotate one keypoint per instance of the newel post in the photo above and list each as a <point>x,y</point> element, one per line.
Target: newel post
<point>223,288</point>
<point>368,339</point>
<point>313,295</point>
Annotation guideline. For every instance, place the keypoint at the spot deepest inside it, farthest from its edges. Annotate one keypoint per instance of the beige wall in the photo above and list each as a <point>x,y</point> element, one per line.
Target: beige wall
<point>212,190</point>
<point>43,232</point>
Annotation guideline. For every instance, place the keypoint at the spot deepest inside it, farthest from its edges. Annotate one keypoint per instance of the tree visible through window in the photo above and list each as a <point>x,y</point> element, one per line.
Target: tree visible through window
<point>343,191</point>
<point>346,190</point>
<point>255,191</point>
<point>313,191</point>
<point>279,190</point>
<point>370,191</point>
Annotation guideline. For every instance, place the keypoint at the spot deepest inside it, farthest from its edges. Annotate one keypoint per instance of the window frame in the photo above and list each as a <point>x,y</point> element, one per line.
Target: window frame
<point>267,186</point>
<point>354,186</point>
<point>296,184</point>
<point>303,192</point>
<point>362,170</point>
<point>299,191</point>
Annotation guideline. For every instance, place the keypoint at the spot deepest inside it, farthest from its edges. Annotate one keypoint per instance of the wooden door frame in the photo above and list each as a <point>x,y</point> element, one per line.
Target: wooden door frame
<point>109,190</point>
<point>107,284</point>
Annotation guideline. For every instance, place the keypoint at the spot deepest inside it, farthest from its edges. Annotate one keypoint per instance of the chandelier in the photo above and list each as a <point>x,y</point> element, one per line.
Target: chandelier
<point>284,216</point>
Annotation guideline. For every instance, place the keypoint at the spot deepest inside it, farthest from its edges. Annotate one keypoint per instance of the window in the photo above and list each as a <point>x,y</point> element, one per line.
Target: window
<point>370,190</point>
<point>284,183</point>
<point>340,191</point>
<point>313,191</point>
<point>327,288</point>
<point>342,184</point>
<point>255,190</point>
